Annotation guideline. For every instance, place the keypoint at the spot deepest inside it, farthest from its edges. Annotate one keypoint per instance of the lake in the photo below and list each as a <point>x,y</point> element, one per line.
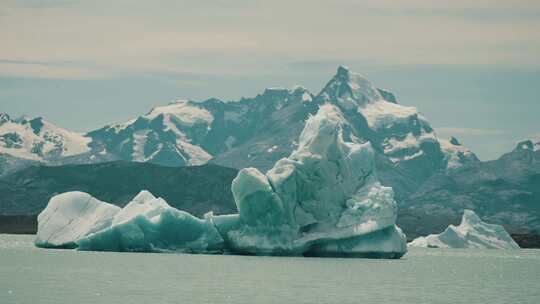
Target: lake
<point>33,275</point>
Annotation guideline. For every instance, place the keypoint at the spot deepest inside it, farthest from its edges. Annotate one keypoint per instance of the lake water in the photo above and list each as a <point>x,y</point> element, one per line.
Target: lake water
<point>32,275</point>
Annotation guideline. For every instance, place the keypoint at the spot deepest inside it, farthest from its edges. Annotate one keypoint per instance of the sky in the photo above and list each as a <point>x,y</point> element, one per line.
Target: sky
<point>471,67</point>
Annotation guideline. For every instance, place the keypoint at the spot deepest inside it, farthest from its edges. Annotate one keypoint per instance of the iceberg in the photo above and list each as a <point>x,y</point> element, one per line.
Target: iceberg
<point>70,216</point>
<point>149,224</point>
<point>471,233</point>
<point>322,200</point>
<point>171,230</point>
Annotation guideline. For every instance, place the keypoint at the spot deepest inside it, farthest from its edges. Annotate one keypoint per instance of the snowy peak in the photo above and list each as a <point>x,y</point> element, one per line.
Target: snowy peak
<point>281,97</point>
<point>4,117</point>
<point>349,89</point>
<point>527,145</point>
<point>37,139</point>
<point>456,155</point>
<point>166,135</point>
<point>187,113</point>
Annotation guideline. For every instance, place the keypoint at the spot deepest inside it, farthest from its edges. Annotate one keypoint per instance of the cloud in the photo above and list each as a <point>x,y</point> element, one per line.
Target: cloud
<point>261,36</point>
<point>534,136</point>
<point>21,70</point>
<point>455,131</point>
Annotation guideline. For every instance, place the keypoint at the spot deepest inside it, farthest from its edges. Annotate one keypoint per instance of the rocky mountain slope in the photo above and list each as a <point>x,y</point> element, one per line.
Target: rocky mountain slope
<point>39,140</point>
<point>258,131</point>
<point>197,189</point>
<point>505,191</point>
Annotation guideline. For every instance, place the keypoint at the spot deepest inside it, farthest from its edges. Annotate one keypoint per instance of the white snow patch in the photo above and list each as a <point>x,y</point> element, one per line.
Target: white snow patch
<point>139,142</point>
<point>393,145</point>
<point>452,153</point>
<point>185,111</point>
<point>382,113</point>
<point>306,97</point>
<point>197,155</point>
<point>272,149</point>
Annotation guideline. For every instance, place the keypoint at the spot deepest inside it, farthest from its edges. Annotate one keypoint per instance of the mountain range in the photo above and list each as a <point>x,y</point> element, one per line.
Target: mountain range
<point>256,132</point>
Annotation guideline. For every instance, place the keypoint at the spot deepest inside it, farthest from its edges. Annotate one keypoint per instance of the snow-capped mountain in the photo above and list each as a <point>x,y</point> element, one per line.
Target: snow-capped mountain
<point>254,132</point>
<point>39,140</point>
<point>401,135</point>
<point>166,135</point>
<point>24,141</point>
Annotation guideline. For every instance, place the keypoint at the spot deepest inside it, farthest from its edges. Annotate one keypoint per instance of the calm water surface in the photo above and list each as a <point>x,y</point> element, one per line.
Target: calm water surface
<point>32,275</point>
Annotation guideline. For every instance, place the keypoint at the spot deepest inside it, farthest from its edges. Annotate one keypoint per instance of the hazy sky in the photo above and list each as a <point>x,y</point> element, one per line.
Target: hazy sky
<point>471,67</point>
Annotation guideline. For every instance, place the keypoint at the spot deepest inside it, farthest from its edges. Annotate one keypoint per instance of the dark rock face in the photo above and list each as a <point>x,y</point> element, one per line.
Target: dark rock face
<point>18,224</point>
<point>196,189</point>
<point>505,191</point>
<point>527,240</point>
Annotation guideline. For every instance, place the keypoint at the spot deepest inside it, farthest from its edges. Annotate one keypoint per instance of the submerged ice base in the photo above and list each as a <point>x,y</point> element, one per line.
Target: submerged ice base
<point>322,200</point>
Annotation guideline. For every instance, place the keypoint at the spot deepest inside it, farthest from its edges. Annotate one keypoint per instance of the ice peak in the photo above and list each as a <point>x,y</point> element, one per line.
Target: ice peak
<point>349,89</point>
<point>4,117</point>
<point>469,217</point>
<point>342,71</point>
<point>471,233</point>
<point>143,196</point>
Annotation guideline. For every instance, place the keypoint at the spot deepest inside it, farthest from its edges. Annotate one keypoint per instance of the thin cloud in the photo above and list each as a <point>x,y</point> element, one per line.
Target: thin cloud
<point>534,136</point>
<point>21,70</point>
<point>204,37</point>
<point>455,131</point>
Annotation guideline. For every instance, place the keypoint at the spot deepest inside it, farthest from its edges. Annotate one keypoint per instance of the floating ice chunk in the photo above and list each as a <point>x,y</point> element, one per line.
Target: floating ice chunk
<point>170,230</point>
<point>324,193</point>
<point>471,233</point>
<point>255,199</point>
<point>149,224</point>
<point>144,204</point>
<point>70,216</point>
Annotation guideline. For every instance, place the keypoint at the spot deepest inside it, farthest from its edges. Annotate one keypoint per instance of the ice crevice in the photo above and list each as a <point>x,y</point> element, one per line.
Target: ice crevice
<point>322,200</point>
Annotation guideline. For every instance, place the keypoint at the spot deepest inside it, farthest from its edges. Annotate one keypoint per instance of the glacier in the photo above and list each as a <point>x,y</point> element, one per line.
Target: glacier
<point>324,199</point>
<point>471,233</point>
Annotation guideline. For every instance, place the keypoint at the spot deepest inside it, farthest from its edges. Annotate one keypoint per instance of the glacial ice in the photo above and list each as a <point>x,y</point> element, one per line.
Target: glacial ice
<point>169,230</point>
<point>471,233</point>
<point>322,200</point>
<point>70,216</point>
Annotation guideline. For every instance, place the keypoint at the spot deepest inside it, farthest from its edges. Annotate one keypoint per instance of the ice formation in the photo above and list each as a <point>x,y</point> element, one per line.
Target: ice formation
<point>70,216</point>
<point>150,224</point>
<point>471,233</point>
<point>322,200</point>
